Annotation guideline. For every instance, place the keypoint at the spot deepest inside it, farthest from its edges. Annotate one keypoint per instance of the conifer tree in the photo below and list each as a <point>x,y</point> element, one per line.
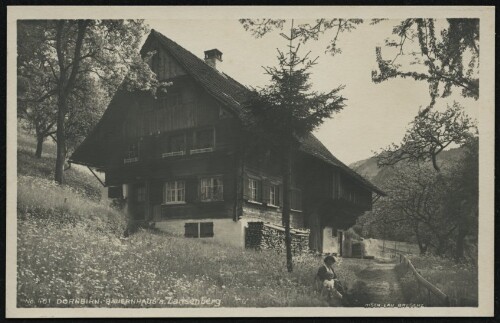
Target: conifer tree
<point>287,110</point>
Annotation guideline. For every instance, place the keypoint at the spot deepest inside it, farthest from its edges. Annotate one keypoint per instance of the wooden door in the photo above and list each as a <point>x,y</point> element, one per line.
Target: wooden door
<point>138,199</point>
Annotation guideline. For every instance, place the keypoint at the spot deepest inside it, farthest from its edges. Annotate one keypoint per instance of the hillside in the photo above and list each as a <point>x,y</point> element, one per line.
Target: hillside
<point>369,169</point>
<point>70,247</point>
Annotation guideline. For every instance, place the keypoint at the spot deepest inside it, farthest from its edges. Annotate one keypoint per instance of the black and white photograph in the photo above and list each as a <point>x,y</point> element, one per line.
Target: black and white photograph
<point>250,161</point>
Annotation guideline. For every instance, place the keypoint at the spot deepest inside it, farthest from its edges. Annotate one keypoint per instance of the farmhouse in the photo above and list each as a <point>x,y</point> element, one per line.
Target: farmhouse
<point>179,161</point>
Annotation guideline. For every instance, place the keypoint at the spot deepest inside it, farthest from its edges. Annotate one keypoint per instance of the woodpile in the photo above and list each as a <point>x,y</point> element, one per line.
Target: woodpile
<point>253,235</point>
<point>261,236</point>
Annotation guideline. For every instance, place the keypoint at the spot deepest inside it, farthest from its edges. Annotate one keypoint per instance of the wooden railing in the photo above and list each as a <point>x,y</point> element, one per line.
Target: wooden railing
<point>421,281</point>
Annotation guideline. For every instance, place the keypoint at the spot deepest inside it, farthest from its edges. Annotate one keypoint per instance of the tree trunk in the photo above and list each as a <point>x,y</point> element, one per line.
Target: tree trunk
<point>434,162</point>
<point>287,179</point>
<point>462,232</point>
<point>65,85</point>
<point>61,140</point>
<point>39,145</point>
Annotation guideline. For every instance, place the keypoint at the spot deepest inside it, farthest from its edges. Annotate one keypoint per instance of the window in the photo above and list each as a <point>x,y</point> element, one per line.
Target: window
<point>132,153</point>
<point>274,195</point>
<point>141,193</point>
<point>296,200</point>
<point>254,189</point>
<point>203,141</point>
<point>211,189</point>
<point>191,230</point>
<point>176,146</point>
<point>199,230</point>
<point>206,229</point>
<point>174,192</point>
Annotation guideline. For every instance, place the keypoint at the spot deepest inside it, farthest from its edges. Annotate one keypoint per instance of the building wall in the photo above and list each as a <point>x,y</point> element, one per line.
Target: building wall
<point>253,212</point>
<point>330,241</point>
<point>226,231</point>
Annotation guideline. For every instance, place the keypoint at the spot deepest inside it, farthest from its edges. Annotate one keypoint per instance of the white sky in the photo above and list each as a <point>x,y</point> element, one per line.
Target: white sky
<point>376,114</point>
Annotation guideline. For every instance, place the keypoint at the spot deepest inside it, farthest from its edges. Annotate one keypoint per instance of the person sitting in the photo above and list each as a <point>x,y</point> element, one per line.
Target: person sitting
<point>327,276</point>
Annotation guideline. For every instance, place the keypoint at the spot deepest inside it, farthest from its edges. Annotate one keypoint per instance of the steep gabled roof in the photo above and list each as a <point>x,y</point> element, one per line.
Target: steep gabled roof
<point>232,95</point>
<point>312,146</point>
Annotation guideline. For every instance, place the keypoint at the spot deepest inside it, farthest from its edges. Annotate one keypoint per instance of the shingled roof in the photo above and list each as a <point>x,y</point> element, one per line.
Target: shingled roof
<point>234,96</point>
<point>231,93</point>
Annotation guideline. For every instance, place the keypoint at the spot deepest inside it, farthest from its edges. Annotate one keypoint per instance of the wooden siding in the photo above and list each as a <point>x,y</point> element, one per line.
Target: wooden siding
<point>163,64</point>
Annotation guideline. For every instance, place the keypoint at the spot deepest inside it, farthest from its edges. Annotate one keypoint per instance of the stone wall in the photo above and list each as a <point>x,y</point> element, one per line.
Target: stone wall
<point>260,235</point>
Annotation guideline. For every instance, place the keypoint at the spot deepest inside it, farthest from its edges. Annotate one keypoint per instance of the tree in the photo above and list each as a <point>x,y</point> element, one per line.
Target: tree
<point>414,195</point>
<point>287,110</point>
<point>430,133</point>
<point>463,197</point>
<point>447,56</point>
<point>76,51</point>
<point>36,105</point>
<point>306,31</point>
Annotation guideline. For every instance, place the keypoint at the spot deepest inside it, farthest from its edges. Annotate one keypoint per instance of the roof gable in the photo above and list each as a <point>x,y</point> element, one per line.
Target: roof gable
<point>232,95</point>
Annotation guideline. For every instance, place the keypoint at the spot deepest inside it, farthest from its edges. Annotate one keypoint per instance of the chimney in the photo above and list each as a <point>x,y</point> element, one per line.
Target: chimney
<point>212,56</point>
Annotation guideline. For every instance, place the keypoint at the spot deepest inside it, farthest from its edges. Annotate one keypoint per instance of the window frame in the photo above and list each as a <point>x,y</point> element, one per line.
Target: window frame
<point>132,156</point>
<point>176,191</point>
<point>276,190</point>
<point>293,199</point>
<point>195,149</point>
<point>257,189</point>
<point>170,152</point>
<point>140,193</point>
<point>220,187</point>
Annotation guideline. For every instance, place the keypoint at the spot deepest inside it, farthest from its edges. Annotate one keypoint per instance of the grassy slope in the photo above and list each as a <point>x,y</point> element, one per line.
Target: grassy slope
<point>69,247</point>
<point>458,281</point>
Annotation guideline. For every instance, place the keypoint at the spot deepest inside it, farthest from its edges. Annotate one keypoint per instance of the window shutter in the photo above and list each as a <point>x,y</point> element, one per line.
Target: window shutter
<point>266,185</point>
<point>191,189</point>
<point>246,190</point>
<point>206,229</point>
<point>191,230</point>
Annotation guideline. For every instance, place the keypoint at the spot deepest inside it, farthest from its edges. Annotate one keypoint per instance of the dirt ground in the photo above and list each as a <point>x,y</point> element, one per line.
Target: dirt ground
<point>376,284</point>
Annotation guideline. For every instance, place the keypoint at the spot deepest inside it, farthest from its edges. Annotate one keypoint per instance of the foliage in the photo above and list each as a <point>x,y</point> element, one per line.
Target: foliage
<point>69,248</point>
<point>458,281</point>
<point>76,179</point>
<point>430,133</point>
<point>286,110</point>
<point>446,56</point>
<point>437,210</point>
<point>306,31</point>
<point>78,65</point>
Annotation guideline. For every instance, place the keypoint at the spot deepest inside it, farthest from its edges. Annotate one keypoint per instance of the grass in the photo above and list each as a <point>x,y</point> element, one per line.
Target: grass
<point>458,281</point>
<point>69,248</point>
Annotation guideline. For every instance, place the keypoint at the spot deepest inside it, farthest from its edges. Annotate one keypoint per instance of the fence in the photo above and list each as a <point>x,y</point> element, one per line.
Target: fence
<point>387,248</point>
<point>421,281</point>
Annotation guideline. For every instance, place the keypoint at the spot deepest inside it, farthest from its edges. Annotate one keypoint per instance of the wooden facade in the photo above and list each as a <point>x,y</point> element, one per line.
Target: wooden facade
<point>180,156</point>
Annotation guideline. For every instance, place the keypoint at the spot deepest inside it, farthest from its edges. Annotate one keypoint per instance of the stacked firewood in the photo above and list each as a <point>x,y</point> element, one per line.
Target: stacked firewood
<point>261,235</point>
<point>253,236</point>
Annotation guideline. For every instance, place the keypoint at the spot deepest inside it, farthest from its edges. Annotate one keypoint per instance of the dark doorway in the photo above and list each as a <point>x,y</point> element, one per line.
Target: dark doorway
<point>340,234</point>
<point>138,198</point>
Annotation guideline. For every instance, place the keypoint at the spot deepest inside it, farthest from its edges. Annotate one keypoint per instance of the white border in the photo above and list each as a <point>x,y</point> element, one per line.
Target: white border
<point>486,122</point>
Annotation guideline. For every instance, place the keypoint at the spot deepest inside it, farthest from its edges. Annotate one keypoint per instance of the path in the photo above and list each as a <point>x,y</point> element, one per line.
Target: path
<point>377,284</point>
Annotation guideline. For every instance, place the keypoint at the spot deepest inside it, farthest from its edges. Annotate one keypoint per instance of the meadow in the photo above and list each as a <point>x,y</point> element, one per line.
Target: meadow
<point>71,253</point>
<point>458,281</point>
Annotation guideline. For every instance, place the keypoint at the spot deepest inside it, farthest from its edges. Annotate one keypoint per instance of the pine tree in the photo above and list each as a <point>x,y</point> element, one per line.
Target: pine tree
<point>286,110</point>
